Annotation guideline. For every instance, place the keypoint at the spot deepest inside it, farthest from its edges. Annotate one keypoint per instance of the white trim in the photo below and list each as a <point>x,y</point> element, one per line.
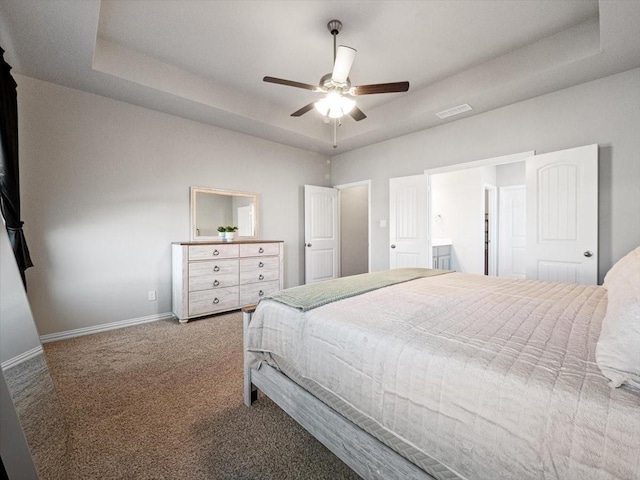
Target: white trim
<point>368,184</point>
<point>23,357</point>
<point>485,162</point>
<point>79,332</point>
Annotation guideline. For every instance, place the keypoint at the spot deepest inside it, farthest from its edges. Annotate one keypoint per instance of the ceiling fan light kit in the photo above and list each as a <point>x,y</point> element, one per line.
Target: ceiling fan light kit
<point>336,85</point>
<point>334,105</point>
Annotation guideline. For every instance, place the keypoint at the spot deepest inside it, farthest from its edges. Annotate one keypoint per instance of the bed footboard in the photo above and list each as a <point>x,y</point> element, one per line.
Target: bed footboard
<point>363,453</point>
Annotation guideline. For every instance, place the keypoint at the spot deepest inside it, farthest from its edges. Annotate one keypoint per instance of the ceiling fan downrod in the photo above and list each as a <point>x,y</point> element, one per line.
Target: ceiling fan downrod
<point>334,27</point>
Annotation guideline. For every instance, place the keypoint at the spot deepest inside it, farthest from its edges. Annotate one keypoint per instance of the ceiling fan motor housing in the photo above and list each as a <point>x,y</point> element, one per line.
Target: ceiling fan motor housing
<point>328,83</point>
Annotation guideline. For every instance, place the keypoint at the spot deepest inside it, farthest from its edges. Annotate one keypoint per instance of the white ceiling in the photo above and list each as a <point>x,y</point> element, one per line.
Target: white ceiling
<point>205,60</point>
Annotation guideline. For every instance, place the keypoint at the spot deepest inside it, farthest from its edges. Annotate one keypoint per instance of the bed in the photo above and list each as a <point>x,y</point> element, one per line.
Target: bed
<point>454,376</point>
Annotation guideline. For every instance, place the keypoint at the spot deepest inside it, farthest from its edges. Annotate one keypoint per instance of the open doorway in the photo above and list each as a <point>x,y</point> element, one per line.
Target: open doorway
<point>490,230</point>
<point>354,228</point>
<point>464,214</point>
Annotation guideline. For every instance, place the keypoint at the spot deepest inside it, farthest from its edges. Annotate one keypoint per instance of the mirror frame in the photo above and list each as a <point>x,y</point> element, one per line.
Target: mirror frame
<point>193,216</point>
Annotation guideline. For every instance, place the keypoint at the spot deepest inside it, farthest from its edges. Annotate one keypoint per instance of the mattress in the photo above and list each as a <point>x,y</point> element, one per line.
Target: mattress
<point>467,376</point>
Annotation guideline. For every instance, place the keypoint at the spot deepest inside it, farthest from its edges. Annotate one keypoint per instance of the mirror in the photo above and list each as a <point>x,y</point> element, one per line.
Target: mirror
<point>211,208</point>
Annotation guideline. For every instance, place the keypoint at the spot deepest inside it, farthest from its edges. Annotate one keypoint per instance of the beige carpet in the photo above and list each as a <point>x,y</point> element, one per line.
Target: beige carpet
<point>164,400</point>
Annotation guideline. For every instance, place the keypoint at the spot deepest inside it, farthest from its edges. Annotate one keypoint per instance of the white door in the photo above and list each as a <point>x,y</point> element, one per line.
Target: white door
<point>512,232</point>
<point>321,234</point>
<point>408,222</point>
<point>245,221</point>
<point>562,216</point>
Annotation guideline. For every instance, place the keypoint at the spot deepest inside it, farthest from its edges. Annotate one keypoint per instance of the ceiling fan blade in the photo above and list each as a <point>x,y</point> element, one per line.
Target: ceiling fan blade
<point>303,110</point>
<point>357,114</point>
<point>381,88</point>
<point>341,67</point>
<point>290,83</point>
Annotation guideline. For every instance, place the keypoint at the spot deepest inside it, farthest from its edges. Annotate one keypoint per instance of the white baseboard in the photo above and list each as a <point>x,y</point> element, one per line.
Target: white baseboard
<point>23,357</point>
<point>79,332</point>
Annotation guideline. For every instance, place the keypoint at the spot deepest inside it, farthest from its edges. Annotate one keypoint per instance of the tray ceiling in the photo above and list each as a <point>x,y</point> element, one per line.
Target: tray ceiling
<point>205,60</point>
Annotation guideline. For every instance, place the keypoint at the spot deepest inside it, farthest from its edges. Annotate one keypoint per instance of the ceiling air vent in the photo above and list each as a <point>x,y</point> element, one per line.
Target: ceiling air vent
<point>465,107</point>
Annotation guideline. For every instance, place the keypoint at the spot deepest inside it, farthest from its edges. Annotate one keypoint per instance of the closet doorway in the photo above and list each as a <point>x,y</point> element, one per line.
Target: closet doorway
<point>355,201</point>
<point>490,221</point>
<point>337,227</point>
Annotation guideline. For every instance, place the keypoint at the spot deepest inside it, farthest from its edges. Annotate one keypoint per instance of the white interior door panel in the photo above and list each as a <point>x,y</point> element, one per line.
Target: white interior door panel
<point>562,216</point>
<point>408,222</point>
<point>321,233</point>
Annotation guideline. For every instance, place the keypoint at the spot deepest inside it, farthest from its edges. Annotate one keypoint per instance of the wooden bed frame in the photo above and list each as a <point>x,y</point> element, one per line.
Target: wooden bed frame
<point>364,454</point>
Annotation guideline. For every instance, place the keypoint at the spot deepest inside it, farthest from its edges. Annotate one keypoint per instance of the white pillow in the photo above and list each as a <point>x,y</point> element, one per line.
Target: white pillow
<point>618,349</point>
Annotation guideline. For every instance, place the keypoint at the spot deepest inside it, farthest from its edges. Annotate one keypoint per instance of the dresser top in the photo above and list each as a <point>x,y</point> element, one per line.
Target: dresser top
<point>227,242</point>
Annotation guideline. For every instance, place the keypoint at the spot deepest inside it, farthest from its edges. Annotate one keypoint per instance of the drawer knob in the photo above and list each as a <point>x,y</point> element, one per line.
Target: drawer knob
<point>216,268</point>
<point>216,253</point>
<point>260,293</point>
<point>216,301</point>
<point>260,277</point>
<point>261,250</point>
<point>216,283</point>
<point>260,265</point>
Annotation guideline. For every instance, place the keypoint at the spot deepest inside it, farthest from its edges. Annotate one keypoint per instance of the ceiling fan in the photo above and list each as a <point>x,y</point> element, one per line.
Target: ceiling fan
<point>337,87</point>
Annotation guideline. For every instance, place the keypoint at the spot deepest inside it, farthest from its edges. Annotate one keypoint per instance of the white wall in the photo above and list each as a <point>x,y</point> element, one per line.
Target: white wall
<point>509,174</point>
<point>105,190</point>
<point>606,112</point>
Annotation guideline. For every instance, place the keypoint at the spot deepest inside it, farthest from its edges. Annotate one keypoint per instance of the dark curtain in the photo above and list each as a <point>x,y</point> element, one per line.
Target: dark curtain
<point>9,178</point>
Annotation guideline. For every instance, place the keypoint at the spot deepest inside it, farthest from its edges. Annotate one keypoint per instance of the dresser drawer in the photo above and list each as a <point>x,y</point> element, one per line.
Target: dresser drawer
<point>258,249</point>
<point>213,274</point>
<point>252,293</point>
<point>211,301</point>
<point>255,277</point>
<point>259,264</point>
<point>209,252</point>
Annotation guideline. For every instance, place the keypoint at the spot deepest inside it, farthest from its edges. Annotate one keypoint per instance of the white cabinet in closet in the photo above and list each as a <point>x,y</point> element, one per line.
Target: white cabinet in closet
<point>217,277</point>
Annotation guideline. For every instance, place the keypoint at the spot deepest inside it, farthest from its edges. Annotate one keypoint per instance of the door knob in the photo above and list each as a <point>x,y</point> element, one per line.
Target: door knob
<point>588,253</point>
<point>308,244</point>
<point>393,246</point>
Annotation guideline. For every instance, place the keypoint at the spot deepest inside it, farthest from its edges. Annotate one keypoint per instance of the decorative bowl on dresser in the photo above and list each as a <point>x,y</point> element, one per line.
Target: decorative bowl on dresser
<point>213,277</point>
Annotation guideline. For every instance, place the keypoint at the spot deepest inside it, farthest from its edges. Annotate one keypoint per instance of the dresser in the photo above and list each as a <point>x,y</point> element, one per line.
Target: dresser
<point>212,277</point>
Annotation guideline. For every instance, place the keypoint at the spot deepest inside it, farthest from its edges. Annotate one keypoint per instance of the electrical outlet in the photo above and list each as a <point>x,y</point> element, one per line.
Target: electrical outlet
<point>152,295</point>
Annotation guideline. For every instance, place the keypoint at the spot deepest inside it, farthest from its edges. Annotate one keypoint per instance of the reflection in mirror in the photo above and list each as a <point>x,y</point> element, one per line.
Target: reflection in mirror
<point>212,208</point>
<point>30,387</point>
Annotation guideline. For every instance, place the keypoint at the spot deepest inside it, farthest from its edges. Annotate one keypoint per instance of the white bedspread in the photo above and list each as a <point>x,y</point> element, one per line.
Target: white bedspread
<point>491,378</point>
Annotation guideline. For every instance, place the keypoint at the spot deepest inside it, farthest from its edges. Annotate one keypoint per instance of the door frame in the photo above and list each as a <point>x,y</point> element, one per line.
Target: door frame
<point>358,184</point>
<point>486,162</point>
<point>493,227</point>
